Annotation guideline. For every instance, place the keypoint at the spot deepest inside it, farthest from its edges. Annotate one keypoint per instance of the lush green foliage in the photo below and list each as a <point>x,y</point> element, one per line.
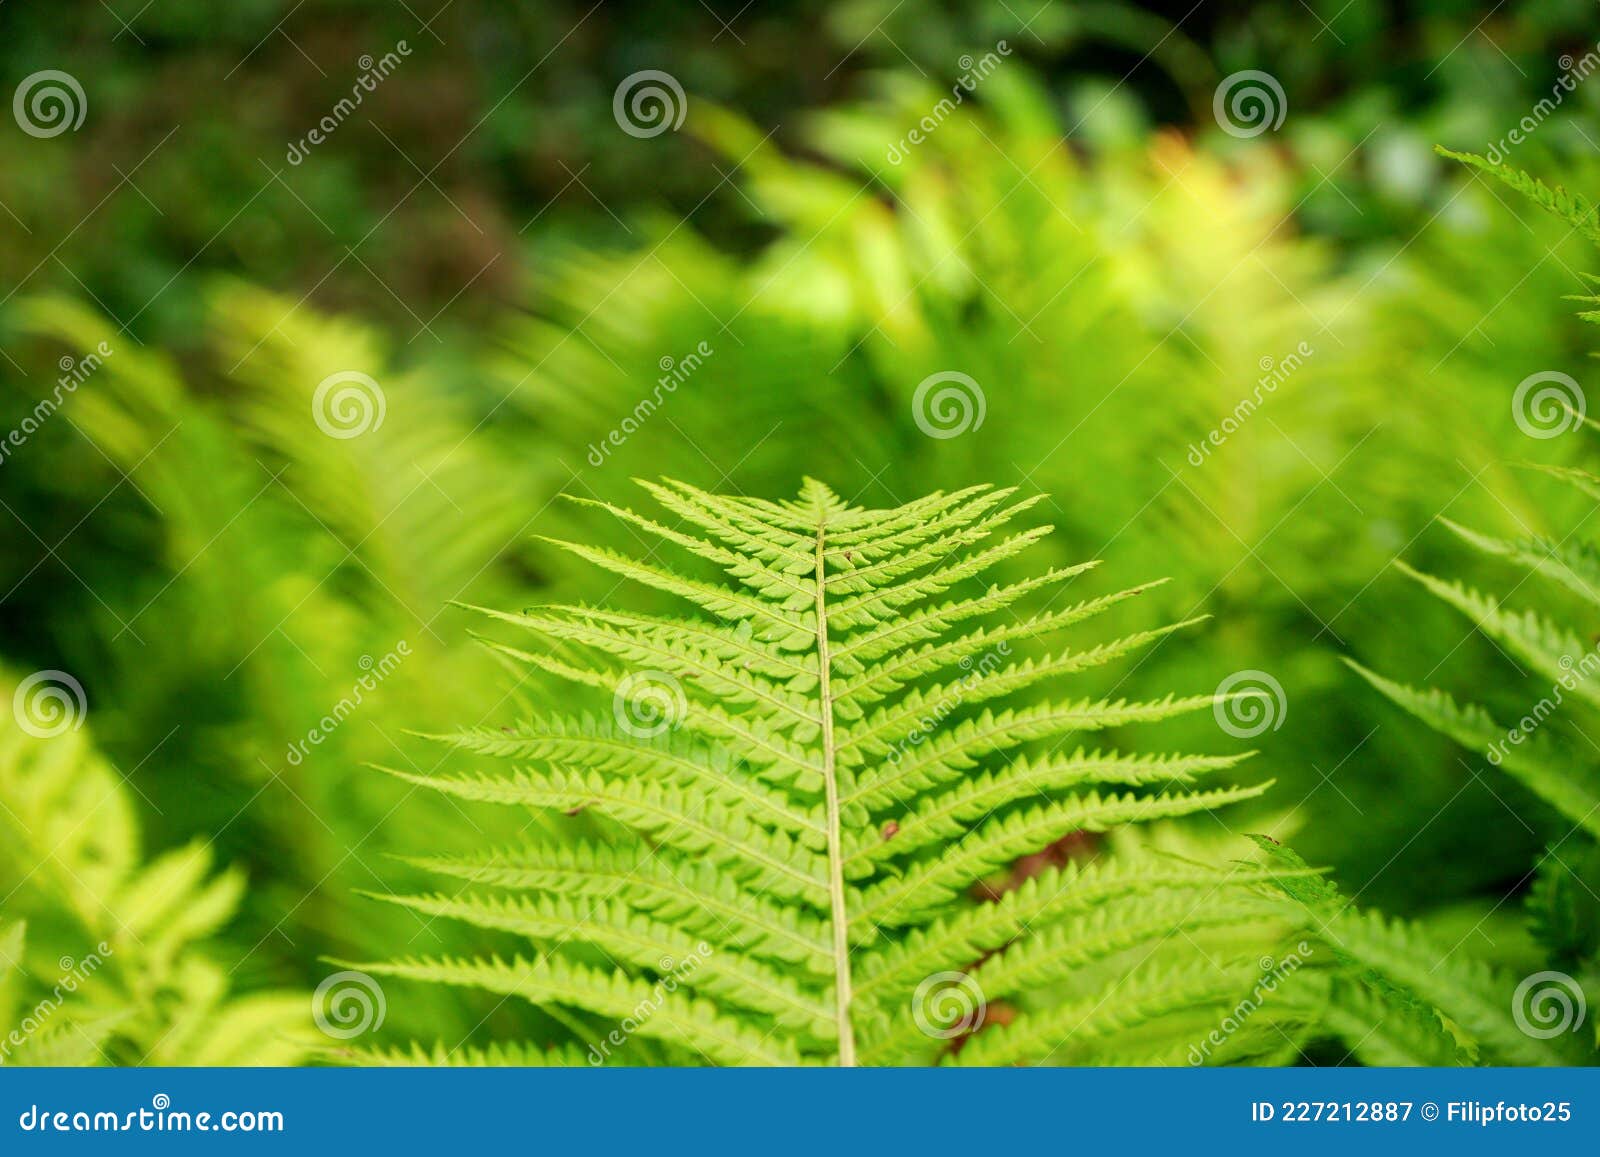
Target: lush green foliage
<point>124,937</point>
<point>1111,334</point>
<point>1394,994</point>
<point>1547,748</point>
<point>259,610</point>
<point>192,112</point>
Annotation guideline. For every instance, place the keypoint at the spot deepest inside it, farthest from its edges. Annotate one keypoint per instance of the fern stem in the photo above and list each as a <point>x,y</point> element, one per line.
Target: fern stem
<point>830,781</point>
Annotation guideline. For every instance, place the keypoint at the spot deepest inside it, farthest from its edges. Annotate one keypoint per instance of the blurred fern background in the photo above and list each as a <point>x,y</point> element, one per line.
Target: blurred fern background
<point>533,301</point>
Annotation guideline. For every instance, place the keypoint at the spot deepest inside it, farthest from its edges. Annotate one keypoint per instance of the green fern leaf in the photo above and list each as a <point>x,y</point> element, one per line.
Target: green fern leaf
<point>1572,208</point>
<point>801,792</point>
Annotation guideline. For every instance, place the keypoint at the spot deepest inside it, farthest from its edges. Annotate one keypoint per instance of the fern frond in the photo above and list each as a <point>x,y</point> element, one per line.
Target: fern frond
<point>692,894</point>
<point>115,968</point>
<point>936,819</point>
<point>929,884</point>
<point>887,677</point>
<point>623,935</point>
<point>1406,974</point>
<point>657,1009</point>
<point>602,747</point>
<point>511,1054</point>
<point>953,751</point>
<point>679,816</point>
<point>1484,1009</point>
<point>930,622</point>
<point>831,770</point>
<point>1572,208</point>
<point>1545,768</point>
<point>1054,896</point>
<point>1071,1031</point>
<point>1527,636</point>
<point>1575,566</point>
<point>1382,1033</point>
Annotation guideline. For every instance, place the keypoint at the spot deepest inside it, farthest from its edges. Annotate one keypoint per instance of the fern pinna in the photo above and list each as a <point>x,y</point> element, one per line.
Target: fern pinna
<point>792,800</point>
